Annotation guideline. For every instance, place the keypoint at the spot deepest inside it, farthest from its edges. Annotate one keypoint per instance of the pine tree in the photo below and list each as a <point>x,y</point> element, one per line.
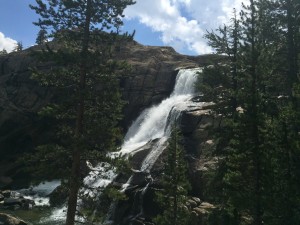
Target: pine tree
<point>225,42</point>
<point>3,52</point>
<point>261,171</point>
<point>173,196</point>
<point>19,47</point>
<point>90,108</point>
<point>41,37</point>
<point>286,152</point>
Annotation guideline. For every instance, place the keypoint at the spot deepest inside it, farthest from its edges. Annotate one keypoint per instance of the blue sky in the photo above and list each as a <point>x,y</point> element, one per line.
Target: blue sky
<point>180,24</point>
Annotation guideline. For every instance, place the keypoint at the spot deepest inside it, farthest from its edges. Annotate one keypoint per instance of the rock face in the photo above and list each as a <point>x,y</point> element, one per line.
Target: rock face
<point>152,76</point>
<point>140,207</point>
<point>20,100</point>
<point>151,79</point>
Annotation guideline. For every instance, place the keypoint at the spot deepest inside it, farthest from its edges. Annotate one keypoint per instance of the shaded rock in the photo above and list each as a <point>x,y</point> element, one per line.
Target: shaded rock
<point>58,196</point>
<point>12,201</point>
<point>139,178</point>
<point>192,203</point>
<point>6,219</point>
<point>1,197</point>
<point>5,181</point>
<point>140,154</point>
<point>6,193</point>
<point>137,222</point>
<point>150,207</point>
<point>197,200</point>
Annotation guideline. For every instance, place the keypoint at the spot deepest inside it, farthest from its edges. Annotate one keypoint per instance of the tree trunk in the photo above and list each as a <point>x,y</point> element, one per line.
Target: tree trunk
<point>74,182</point>
<point>74,185</point>
<point>254,121</point>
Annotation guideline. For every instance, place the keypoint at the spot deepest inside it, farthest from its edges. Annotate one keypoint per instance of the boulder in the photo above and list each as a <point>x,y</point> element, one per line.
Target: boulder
<point>207,206</point>
<point>6,219</point>
<point>6,193</point>
<point>14,200</point>
<point>191,203</point>
<point>197,200</point>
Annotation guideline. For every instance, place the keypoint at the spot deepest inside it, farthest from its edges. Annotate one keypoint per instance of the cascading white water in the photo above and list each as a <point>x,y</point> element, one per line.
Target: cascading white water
<point>155,123</point>
<point>152,123</point>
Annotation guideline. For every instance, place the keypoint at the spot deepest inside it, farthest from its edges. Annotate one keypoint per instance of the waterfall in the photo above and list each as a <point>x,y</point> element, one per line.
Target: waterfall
<point>153,122</point>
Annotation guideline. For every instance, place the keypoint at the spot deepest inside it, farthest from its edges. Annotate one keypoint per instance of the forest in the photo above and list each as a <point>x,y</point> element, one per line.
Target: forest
<point>256,89</point>
<point>253,83</point>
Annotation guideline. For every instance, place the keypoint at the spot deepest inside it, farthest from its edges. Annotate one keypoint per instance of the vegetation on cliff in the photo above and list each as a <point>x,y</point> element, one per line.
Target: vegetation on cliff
<point>173,196</point>
<point>258,95</point>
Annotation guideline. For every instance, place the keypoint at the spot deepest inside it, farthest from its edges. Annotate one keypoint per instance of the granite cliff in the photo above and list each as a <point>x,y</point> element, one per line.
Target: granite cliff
<point>150,80</point>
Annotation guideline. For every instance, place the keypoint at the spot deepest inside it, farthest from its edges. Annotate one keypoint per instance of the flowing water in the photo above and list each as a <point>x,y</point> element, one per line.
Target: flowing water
<point>156,122</point>
<point>153,123</point>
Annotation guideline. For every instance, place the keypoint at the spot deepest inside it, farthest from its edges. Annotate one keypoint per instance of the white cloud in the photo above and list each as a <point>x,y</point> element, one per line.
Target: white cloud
<point>182,23</point>
<point>7,43</point>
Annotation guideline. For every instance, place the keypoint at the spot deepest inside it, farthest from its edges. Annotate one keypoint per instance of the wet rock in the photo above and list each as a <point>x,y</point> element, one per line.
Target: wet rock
<point>6,219</point>
<point>14,200</point>
<point>6,193</point>
<point>140,154</point>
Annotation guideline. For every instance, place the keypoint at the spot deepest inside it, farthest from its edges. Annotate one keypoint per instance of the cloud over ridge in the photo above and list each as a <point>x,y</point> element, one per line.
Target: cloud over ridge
<point>7,43</point>
<point>183,23</point>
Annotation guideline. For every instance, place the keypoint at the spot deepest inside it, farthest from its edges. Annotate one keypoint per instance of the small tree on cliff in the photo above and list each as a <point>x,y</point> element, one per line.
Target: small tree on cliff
<point>19,47</point>
<point>41,37</point>
<point>90,106</point>
<point>173,196</point>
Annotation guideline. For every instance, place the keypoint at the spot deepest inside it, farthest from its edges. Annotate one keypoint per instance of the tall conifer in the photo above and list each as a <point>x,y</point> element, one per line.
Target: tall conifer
<point>89,110</point>
<point>173,196</point>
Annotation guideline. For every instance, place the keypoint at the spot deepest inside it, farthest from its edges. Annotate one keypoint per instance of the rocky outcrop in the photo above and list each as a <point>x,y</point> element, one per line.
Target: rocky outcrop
<point>196,122</point>
<point>6,219</point>
<point>58,196</point>
<point>151,78</point>
<point>152,75</point>
<point>12,200</point>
